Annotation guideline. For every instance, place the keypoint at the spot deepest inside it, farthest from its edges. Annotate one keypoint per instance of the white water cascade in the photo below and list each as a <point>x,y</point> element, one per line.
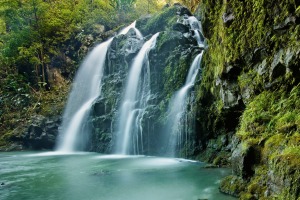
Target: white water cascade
<point>86,88</point>
<point>177,113</point>
<point>134,102</point>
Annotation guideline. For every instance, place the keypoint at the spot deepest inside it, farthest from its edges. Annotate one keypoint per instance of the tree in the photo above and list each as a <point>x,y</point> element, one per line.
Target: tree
<point>191,4</point>
<point>34,29</point>
<point>121,5</point>
<point>148,6</point>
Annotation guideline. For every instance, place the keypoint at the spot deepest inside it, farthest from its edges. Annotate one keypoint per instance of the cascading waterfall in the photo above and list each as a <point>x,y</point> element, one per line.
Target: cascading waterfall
<point>131,124</point>
<point>144,95</point>
<point>177,113</point>
<point>198,31</point>
<point>86,88</point>
<point>134,103</point>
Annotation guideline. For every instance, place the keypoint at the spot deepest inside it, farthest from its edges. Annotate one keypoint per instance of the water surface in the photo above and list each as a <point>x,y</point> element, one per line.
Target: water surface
<point>91,176</point>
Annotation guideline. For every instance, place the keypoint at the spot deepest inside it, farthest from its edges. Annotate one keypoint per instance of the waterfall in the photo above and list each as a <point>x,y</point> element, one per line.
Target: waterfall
<point>177,112</point>
<point>86,88</point>
<point>134,102</point>
<point>133,109</point>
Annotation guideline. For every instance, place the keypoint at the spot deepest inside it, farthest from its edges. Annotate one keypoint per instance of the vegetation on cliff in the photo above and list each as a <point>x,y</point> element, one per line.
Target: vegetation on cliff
<point>250,92</point>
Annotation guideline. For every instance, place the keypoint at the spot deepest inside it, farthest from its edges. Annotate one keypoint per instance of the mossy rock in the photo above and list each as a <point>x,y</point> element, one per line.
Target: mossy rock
<point>161,21</point>
<point>274,144</point>
<point>232,185</point>
<point>222,159</point>
<point>284,175</point>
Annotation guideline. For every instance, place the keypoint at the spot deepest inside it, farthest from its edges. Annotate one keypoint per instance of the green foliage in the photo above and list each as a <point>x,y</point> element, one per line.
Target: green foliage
<point>35,32</point>
<point>121,4</point>
<point>143,7</point>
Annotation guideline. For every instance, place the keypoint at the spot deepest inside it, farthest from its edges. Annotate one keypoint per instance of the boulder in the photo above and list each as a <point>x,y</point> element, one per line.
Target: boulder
<point>42,133</point>
<point>232,185</point>
<point>161,21</point>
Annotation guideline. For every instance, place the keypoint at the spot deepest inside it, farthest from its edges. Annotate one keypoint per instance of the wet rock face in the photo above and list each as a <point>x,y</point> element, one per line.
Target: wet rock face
<point>42,133</point>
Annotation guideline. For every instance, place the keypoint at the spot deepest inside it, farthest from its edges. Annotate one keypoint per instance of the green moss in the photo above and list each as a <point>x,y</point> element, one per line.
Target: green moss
<point>287,122</point>
<point>232,185</point>
<point>291,156</point>
<point>255,20</point>
<point>165,18</point>
<point>258,184</point>
<point>177,66</point>
<point>258,36</point>
<point>274,144</point>
<point>222,159</point>
<point>271,121</point>
<point>247,196</point>
<point>252,28</point>
<point>286,168</point>
<point>294,139</point>
<point>271,112</point>
<point>256,116</point>
<point>208,155</point>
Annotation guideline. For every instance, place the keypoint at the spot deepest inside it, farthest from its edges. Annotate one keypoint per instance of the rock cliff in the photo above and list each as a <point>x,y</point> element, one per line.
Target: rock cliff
<point>248,101</point>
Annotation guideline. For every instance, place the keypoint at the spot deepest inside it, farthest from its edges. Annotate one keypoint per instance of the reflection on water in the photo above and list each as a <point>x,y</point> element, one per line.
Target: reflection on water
<point>91,176</point>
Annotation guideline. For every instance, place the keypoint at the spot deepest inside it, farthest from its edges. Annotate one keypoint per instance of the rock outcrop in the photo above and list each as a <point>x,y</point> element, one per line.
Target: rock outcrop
<point>42,133</point>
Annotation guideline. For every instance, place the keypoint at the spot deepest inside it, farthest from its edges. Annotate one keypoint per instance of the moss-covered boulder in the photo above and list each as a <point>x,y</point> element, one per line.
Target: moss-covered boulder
<point>162,20</point>
<point>232,185</point>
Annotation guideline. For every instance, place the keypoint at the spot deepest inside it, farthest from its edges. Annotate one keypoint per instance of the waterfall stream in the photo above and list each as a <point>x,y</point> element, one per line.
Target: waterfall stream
<point>86,88</point>
<point>132,104</point>
<point>132,117</point>
<point>177,122</point>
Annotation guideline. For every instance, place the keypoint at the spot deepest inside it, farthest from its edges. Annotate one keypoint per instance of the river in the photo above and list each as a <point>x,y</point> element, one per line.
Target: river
<point>92,176</point>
